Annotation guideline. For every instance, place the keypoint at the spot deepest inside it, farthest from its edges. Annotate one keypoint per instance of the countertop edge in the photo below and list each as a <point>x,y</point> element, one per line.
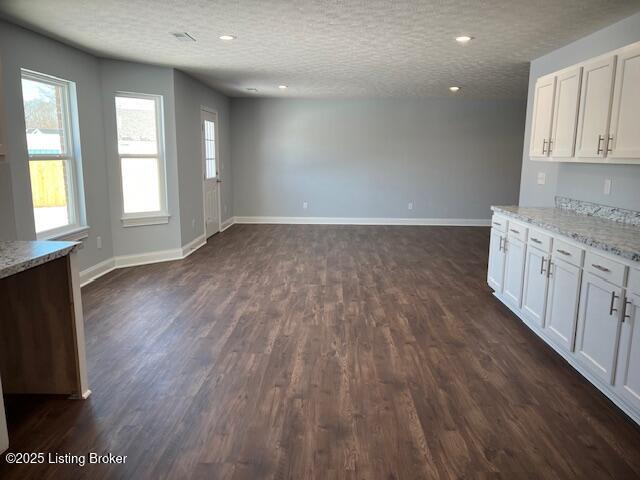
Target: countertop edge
<point>37,260</point>
<point>588,241</point>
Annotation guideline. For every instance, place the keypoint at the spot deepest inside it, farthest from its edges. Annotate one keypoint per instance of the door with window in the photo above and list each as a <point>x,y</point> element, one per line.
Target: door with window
<point>211,188</point>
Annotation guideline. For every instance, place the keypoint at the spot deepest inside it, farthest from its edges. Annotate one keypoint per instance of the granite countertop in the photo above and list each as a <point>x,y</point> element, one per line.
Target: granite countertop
<point>17,256</point>
<point>610,236</point>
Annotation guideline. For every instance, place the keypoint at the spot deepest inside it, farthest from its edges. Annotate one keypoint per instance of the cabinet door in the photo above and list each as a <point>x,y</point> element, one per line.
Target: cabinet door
<point>562,303</point>
<point>565,114</point>
<point>595,108</point>
<point>628,371</point>
<point>514,272</point>
<point>495,272</point>
<point>598,326</point>
<point>542,116</point>
<point>624,137</point>
<point>534,297</point>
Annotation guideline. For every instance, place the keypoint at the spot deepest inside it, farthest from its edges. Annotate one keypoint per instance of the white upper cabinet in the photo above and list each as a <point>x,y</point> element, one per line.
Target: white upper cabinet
<point>565,113</point>
<point>624,134</point>
<point>595,108</point>
<point>542,116</point>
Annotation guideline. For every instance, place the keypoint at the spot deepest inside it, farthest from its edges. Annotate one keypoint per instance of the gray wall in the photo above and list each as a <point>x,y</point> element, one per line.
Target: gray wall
<point>190,96</point>
<point>581,181</point>
<point>20,48</point>
<point>134,77</point>
<point>451,157</point>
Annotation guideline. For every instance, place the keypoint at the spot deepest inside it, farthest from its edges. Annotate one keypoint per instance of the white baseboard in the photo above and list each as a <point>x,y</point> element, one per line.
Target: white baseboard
<point>88,275</point>
<point>227,223</point>
<point>458,222</point>
<point>92,273</point>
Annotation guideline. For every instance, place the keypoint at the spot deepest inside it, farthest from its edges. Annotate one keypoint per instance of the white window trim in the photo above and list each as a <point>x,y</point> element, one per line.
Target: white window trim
<point>138,219</point>
<point>72,154</point>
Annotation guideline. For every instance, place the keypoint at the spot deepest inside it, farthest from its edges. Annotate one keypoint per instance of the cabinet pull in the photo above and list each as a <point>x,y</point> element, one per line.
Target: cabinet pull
<point>549,147</point>
<point>609,141</point>
<point>542,266</point>
<point>497,224</point>
<point>600,139</point>
<point>600,267</point>
<point>626,315</point>
<point>563,252</point>
<point>544,146</point>
<point>514,231</point>
<point>549,269</point>
<point>535,240</point>
<point>500,246</point>
<point>613,299</point>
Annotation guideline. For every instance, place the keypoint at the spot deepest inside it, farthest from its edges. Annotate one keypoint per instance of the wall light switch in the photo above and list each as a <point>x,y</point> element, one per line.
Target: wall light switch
<point>410,206</point>
<point>542,178</point>
<point>305,205</point>
<point>607,186</point>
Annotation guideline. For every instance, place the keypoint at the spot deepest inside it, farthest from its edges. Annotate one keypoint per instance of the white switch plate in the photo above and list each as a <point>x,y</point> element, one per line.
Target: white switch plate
<point>607,186</point>
<point>542,178</point>
<point>305,205</point>
<point>410,206</point>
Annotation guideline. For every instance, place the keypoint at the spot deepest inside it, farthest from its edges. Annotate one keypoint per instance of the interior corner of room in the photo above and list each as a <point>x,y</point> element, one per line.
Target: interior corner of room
<point>370,244</point>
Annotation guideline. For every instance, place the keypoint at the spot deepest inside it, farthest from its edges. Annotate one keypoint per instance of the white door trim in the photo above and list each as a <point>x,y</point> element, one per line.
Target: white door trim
<point>203,169</point>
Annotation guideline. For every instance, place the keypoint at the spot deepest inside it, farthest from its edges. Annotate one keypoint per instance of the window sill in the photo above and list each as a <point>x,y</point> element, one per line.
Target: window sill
<point>75,235</point>
<point>141,221</point>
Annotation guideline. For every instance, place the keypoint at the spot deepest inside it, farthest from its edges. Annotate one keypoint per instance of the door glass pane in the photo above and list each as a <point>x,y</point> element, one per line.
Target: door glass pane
<point>44,117</point>
<point>136,119</point>
<point>140,185</point>
<point>210,148</point>
<point>49,190</point>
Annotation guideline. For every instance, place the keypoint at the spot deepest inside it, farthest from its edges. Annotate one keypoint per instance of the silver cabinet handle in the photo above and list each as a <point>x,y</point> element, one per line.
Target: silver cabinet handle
<point>500,246</point>
<point>549,269</point>
<point>497,224</point>
<point>542,266</point>
<point>563,252</point>
<point>609,142</point>
<point>613,299</point>
<point>626,315</point>
<point>549,147</point>
<point>535,240</point>
<point>544,146</point>
<point>600,267</point>
<point>514,231</point>
<point>600,139</point>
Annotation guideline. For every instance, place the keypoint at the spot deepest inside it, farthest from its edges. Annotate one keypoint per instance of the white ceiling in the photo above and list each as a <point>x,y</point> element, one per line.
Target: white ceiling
<point>329,48</point>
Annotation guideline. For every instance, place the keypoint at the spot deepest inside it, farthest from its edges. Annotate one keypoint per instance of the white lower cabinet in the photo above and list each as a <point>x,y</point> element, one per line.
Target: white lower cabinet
<point>514,271</point>
<point>534,296</point>
<point>562,303</point>
<point>628,370</point>
<point>495,271</point>
<point>599,326</point>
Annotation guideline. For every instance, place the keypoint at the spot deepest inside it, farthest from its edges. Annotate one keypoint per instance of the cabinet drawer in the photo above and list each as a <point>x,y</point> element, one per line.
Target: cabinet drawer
<point>540,240</point>
<point>499,223</point>
<point>517,231</point>
<point>634,281</point>
<point>567,252</point>
<point>603,267</point>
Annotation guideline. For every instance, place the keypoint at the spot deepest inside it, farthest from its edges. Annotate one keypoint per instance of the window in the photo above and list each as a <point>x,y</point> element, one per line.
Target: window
<point>54,165</point>
<point>210,149</point>
<point>140,148</point>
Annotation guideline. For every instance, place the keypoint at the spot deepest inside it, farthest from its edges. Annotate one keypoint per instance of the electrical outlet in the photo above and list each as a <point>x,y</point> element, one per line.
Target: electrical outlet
<point>410,206</point>
<point>607,186</point>
<point>542,178</point>
<point>305,205</point>
<point>99,242</point>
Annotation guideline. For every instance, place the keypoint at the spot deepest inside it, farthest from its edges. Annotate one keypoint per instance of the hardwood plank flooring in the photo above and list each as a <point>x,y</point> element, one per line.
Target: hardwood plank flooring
<point>321,352</point>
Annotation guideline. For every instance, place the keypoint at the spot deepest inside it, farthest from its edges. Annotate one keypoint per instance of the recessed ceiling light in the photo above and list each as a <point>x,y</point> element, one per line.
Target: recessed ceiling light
<point>183,37</point>
<point>454,89</point>
<point>252,90</point>
<point>464,39</point>
<point>282,87</point>
<point>227,38</point>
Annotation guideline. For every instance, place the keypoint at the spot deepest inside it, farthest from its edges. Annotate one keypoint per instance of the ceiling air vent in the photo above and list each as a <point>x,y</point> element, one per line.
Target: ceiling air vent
<point>183,37</point>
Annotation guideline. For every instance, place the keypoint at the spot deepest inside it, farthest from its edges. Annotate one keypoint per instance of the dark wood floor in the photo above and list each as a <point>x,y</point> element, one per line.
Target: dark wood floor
<point>322,352</point>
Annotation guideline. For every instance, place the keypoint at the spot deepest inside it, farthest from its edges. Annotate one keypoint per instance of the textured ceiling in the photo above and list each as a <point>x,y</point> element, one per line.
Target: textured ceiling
<point>329,48</point>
